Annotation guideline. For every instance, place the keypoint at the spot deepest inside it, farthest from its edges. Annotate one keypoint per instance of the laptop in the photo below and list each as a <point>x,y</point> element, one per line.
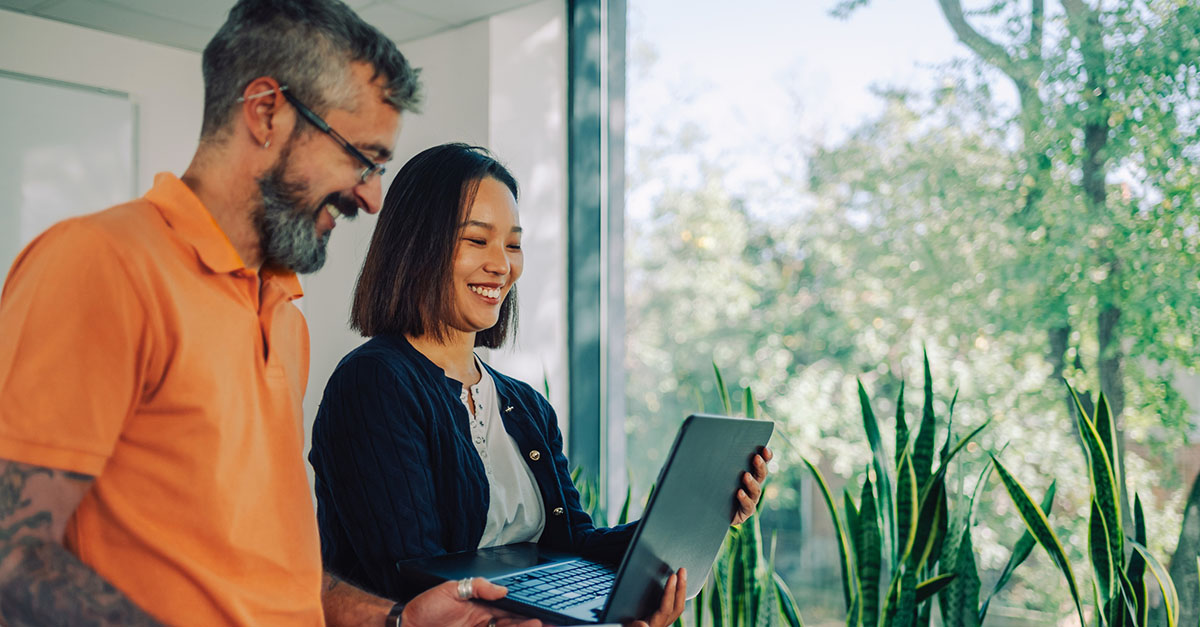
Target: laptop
<point>684,524</point>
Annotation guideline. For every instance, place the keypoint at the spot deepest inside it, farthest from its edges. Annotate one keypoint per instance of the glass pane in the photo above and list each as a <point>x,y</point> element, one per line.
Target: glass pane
<point>820,192</point>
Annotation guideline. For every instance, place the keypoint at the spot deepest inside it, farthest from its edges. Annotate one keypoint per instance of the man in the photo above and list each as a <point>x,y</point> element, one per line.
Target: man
<point>152,364</point>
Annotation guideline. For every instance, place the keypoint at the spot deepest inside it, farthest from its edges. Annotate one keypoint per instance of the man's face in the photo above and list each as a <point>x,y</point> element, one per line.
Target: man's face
<point>315,181</point>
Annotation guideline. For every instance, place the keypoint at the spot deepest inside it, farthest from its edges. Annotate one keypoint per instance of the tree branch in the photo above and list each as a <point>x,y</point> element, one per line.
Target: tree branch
<point>1037,18</point>
<point>987,49</point>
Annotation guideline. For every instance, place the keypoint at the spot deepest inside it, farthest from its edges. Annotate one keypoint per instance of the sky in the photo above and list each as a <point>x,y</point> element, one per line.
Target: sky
<point>748,74</point>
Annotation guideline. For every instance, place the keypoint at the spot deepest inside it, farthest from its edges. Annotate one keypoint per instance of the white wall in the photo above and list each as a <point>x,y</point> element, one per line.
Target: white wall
<point>164,82</point>
<point>528,132</point>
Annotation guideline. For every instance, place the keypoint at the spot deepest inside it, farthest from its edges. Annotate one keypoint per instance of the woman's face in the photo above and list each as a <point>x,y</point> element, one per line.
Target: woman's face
<point>488,257</point>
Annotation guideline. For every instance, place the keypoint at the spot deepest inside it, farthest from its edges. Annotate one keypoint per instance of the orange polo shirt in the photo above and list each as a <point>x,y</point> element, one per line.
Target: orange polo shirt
<point>136,347</point>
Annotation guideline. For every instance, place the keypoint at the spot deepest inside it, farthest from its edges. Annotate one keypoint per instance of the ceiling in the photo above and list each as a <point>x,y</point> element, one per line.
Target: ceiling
<point>189,24</point>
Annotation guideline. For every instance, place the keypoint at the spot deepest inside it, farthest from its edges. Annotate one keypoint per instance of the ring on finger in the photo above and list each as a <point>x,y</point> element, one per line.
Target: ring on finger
<point>491,623</point>
<point>466,589</point>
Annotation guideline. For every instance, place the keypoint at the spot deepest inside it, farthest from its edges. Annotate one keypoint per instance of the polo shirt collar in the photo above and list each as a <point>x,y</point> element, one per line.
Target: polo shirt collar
<point>188,216</point>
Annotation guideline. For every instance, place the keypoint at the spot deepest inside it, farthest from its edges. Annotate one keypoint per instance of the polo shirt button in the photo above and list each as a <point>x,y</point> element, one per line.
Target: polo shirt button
<point>558,511</point>
<point>535,455</point>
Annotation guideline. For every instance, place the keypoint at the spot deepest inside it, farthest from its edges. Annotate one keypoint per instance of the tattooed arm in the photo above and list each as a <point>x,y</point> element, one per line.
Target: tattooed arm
<point>41,583</point>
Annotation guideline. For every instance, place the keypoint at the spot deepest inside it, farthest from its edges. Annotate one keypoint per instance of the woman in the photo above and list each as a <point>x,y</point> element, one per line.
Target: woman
<point>419,447</point>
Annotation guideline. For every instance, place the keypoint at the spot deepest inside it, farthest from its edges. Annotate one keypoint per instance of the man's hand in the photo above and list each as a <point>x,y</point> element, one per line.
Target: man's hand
<point>41,583</point>
<point>442,607</point>
<point>673,600</point>
<point>747,497</point>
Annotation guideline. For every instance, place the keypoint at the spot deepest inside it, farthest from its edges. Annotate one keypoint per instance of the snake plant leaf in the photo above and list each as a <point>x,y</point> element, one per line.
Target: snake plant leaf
<point>743,574</point>
<point>1125,608</point>
<point>930,522</point>
<point>906,609</point>
<point>1106,427</point>
<point>719,605</point>
<point>923,446</point>
<point>930,557</point>
<point>880,463</point>
<point>854,616</point>
<point>851,511</point>
<point>901,426</point>
<point>722,391</point>
<point>891,600</point>
<point>906,501</point>
<point>1165,584</point>
<point>698,607</point>
<point>1103,561</point>
<point>962,597</point>
<point>1020,552</point>
<point>767,614</point>
<point>1104,484</point>
<point>787,603</point>
<point>749,404</point>
<point>868,550</point>
<point>1136,569</point>
<point>845,551</point>
<point>926,589</point>
<point>943,455</point>
<point>1039,526</point>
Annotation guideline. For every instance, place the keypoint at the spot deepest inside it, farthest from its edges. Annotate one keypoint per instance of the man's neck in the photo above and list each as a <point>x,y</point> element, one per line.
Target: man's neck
<point>215,181</point>
<point>455,356</point>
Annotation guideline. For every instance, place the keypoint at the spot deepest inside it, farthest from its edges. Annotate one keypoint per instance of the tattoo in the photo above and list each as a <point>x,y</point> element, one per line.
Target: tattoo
<point>54,586</point>
<point>12,487</point>
<point>42,582</point>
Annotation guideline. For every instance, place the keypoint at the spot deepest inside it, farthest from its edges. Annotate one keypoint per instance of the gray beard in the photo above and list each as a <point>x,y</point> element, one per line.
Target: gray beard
<point>287,230</point>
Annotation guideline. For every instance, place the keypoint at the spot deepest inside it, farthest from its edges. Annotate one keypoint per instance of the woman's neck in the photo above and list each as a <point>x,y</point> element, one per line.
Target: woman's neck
<point>455,355</point>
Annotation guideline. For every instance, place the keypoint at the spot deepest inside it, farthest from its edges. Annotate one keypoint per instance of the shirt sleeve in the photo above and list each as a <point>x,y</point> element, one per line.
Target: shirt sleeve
<point>72,344</point>
<point>375,486</point>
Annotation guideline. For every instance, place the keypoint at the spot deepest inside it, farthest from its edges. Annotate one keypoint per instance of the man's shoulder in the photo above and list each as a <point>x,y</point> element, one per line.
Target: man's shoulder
<point>136,220</point>
<point>118,230</point>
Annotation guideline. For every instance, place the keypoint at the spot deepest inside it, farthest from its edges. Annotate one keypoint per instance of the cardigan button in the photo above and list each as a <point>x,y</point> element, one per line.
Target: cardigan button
<point>558,511</point>
<point>535,455</point>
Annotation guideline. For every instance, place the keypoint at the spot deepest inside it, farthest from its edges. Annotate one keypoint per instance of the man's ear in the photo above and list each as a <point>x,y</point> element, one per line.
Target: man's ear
<point>263,111</point>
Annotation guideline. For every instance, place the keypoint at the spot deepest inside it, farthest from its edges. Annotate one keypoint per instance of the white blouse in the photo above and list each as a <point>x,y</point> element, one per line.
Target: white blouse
<point>515,510</point>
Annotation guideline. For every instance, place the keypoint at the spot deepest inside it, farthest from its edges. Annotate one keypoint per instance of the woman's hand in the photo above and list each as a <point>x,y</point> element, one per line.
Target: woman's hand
<point>673,599</point>
<point>441,605</point>
<point>747,497</point>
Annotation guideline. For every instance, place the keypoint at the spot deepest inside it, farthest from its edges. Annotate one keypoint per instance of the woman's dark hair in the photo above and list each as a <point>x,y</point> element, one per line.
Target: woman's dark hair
<point>405,284</point>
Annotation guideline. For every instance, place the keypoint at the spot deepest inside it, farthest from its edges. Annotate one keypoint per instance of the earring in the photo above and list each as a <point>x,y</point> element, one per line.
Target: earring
<point>267,144</point>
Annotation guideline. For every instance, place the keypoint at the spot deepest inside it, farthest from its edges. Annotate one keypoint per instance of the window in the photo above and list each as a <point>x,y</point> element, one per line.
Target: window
<point>816,192</point>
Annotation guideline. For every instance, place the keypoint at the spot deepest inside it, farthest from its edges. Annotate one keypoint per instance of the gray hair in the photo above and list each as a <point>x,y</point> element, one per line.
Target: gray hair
<point>307,45</point>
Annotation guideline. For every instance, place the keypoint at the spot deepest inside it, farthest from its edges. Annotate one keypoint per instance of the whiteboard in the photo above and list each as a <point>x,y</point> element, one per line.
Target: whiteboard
<point>65,150</point>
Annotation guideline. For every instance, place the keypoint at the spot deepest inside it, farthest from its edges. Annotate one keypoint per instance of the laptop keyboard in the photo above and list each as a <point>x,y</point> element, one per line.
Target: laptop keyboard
<point>562,586</point>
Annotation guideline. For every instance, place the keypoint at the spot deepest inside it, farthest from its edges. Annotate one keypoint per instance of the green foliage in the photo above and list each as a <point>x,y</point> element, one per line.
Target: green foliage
<point>745,590</point>
<point>931,556</point>
<point>1119,590</point>
<point>931,220</point>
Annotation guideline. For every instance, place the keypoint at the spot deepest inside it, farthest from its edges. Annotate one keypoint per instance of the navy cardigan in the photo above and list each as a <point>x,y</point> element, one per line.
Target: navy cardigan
<point>397,476</point>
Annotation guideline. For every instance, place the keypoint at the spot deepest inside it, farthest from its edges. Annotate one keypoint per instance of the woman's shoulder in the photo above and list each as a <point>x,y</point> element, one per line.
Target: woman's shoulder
<point>383,357</point>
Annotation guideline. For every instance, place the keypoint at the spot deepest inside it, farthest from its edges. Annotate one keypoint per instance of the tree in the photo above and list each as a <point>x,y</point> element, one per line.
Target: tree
<point>1106,177</point>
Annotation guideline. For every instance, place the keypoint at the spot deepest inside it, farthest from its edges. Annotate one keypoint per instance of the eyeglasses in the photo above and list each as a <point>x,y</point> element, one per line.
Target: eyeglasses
<point>370,168</point>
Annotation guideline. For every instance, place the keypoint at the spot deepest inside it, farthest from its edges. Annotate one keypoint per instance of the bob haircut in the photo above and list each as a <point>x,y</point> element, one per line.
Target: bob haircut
<point>405,284</point>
